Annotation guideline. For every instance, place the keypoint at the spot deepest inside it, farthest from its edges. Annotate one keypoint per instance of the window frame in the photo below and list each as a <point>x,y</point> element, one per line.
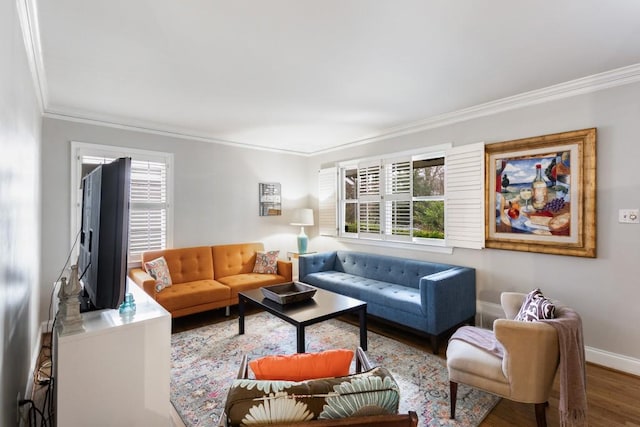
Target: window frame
<point>384,197</point>
<point>83,149</point>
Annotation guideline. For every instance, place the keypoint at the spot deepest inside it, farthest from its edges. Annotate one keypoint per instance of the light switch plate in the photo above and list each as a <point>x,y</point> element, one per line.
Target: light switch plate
<point>628,216</point>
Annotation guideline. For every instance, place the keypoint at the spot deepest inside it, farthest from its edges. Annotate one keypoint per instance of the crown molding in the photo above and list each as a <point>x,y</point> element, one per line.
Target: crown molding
<point>77,116</point>
<point>28,17</point>
<point>608,79</point>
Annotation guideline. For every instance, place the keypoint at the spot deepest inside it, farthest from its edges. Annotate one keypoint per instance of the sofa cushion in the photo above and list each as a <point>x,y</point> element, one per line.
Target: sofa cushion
<point>391,295</point>
<point>186,264</point>
<point>191,294</point>
<point>243,282</point>
<point>303,366</point>
<point>159,270</point>
<point>229,260</point>
<point>253,401</point>
<point>266,262</point>
<point>386,268</point>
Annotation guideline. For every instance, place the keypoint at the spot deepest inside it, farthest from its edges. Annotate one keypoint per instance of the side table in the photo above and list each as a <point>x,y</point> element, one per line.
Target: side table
<point>293,257</point>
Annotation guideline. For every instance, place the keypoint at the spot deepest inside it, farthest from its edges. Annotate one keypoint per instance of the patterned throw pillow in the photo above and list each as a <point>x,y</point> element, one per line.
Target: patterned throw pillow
<point>536,307</point>
<point>262,402</point>
<point>266,262</point>
<point>159,270</point>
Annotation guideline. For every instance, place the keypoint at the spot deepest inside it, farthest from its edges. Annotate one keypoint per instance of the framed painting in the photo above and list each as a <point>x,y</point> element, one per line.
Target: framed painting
<point>541,194</point>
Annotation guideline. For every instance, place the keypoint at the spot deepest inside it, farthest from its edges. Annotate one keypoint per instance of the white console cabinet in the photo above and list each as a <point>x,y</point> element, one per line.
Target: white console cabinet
<point>116,372</point>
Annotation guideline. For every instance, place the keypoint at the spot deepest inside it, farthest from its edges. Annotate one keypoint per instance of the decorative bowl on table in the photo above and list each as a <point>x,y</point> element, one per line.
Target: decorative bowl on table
<point>287,293</point>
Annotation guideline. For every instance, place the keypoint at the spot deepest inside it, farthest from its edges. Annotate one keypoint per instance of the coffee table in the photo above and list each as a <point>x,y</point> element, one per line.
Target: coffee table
<point>323,306</point>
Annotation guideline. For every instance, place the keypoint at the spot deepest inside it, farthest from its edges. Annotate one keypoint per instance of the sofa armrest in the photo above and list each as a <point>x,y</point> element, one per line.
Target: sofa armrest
<point>314,263</point>
<point>285,268</point>
<point>144,280</point>
<point>531,357</point>
<point>448,298</point>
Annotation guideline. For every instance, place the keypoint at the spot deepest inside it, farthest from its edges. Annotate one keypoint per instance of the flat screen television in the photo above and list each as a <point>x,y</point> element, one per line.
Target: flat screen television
<point>104,236</point>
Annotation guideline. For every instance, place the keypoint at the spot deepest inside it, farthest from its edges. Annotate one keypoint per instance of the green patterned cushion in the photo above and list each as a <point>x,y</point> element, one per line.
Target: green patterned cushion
<point>253,401</point>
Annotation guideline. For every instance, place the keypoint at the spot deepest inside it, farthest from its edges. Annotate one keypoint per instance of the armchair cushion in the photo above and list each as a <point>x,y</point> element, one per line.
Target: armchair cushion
<point>303,366</point>
<point>536,307</point>
<point>253,401</point>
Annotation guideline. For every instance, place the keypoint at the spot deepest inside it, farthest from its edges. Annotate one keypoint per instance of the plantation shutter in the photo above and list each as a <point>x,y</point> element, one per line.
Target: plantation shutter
<point>369,200</point>
<point>148,219</point>
<point>149,203</point>
<point>464,197</point>
<point>397,199</point>
<point>328,201</point>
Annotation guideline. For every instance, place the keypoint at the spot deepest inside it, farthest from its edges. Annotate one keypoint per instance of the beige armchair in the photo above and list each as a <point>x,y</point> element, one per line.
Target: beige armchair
<point>526,371</point>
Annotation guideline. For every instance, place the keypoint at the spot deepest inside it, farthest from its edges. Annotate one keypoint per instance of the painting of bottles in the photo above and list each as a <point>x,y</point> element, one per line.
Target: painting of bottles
<point>533,194</point>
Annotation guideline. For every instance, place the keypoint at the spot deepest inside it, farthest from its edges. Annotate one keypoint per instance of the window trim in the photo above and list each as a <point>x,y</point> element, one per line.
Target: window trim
<point>439,150</point>
<point>80,149</point>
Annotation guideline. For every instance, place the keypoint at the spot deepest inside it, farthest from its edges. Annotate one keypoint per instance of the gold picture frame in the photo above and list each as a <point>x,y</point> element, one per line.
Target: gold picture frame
<point>541,194</point>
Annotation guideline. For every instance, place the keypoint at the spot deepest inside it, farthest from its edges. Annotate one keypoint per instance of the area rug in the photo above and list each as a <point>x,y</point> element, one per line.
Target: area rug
<point>205,361</point>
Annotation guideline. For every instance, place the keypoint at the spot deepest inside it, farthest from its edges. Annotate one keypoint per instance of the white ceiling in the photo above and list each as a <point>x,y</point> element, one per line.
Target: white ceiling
<point>309,75</point>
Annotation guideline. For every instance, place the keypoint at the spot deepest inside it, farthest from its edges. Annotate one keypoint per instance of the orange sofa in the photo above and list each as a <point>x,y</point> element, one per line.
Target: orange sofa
<point>207,277</point>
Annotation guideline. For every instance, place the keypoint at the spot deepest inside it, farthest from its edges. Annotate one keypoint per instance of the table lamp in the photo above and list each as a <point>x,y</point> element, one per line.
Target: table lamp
<point>302,217</point>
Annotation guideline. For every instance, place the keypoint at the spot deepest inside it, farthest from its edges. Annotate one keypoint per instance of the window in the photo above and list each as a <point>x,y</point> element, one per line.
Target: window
<point>394,199</point>
<point>430,198</point>
<point>150,207</point>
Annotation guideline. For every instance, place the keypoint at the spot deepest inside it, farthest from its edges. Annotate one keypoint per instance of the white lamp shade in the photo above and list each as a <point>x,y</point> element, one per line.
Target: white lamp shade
<point>303,216</point>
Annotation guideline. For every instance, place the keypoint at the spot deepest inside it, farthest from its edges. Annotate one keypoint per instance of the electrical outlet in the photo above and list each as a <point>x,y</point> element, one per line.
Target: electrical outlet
<point>628,216</point>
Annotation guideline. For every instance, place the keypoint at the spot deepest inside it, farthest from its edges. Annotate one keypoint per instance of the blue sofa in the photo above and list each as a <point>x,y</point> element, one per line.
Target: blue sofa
<point>425,296</point>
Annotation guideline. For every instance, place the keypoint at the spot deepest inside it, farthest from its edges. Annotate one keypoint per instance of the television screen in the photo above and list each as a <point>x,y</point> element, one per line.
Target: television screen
<point>104,236</point>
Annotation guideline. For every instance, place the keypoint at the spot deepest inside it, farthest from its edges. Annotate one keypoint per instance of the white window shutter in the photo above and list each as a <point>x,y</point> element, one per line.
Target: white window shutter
<point>148,215</point>
<point>328,201</point>
<point>398,177</point>
<point>464,196</point>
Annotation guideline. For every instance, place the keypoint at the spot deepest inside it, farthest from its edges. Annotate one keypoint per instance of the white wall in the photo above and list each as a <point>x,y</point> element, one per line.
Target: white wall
<point>215,191</point>
<point>604,290</point>
<point>19,208</point>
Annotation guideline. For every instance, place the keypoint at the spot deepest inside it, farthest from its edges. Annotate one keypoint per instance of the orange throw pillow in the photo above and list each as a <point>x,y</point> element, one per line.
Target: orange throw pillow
<point>303,366</point>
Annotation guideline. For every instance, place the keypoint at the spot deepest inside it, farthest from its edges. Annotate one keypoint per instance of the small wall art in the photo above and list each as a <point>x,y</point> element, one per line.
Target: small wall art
<point>269,198</point>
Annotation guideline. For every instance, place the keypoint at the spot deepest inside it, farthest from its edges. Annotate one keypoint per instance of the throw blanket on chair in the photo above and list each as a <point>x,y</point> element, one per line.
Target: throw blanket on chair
<point>484,339</point>
<point>571,369</point>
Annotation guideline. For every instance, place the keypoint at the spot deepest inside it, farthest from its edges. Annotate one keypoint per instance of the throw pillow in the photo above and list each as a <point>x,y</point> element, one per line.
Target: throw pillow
<point>159,270</point>
<point>266,262</point>
<point>303,366</point>
<point>536,307</point>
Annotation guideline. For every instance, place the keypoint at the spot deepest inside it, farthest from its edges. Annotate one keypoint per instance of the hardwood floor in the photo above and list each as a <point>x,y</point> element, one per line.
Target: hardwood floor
<point>613,397</point>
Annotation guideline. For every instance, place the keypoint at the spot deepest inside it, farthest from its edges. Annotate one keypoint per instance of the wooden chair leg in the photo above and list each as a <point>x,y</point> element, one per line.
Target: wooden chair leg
<point>541,418</point>
<point>453,395</point>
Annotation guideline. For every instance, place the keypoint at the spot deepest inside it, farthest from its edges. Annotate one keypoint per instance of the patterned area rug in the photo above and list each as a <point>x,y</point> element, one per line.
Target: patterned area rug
<point>206,360</point>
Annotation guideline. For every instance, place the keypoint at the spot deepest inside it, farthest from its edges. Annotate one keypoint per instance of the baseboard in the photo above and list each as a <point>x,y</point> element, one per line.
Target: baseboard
<point>487,312</point>
<point>615,361</point>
